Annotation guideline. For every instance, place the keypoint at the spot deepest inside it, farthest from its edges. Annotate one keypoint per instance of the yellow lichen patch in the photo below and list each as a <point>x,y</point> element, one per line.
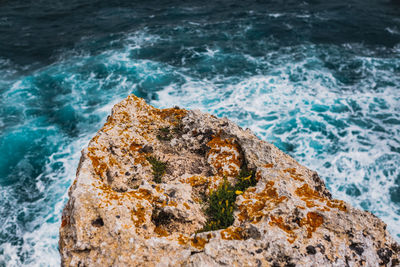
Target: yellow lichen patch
<point>186,205</point>
<point>278,221</point>
<point>224,156</point>
<point>232,233</point>
<point>198,242</point>
<point>312,222</point>
<point>160,231</point>
<point>255,205</point>
<point>309,196</point>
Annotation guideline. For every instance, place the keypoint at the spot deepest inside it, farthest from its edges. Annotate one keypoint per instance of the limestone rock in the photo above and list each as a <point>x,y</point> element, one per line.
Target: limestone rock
<point>118,215</point>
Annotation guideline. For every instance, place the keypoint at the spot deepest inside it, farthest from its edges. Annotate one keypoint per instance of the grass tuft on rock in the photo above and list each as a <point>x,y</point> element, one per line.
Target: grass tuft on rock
<point>220,208</point>
<point>158,168</point>
<point>221,202</point>
<point>246,178</point>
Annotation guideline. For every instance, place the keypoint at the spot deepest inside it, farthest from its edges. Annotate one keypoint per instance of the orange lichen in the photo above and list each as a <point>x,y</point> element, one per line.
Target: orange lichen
<point>172,204</point>
<point>224,156</point>
<point>158,189</point>
<point>212,182</point>
<point>64,221</point>
<point>338,204</point>
<point>108,123</point>
<point>309,196</point>
<point>278,221</point>
<point>252,208</point>
<point>99,166</point>
<point>258,176</point>
<point>232,233</point>
<point>306,192</point>
<point>312,222</point>
<point>173,115</point>
<point>296,176</point>
<point>134,147</point>
<point>186,205</point>
<point>122,121</point>
<point>196,180</point>
<point>138,215</point>
<point>160,231</point>
<point>198,242</point>
<point>113,162</point>
<point>182,239</point>
<point>269,165</point>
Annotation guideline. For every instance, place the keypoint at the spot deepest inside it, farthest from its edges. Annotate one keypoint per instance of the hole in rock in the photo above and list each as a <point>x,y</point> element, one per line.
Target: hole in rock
<point>98,222</point>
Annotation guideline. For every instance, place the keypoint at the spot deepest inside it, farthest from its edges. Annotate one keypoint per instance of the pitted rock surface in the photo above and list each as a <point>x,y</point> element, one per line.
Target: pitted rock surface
<point>117,215</point>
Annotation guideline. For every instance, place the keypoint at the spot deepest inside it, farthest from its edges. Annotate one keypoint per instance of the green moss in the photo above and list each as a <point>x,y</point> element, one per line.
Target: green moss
<point>158,168</point>
<point>221,203</point>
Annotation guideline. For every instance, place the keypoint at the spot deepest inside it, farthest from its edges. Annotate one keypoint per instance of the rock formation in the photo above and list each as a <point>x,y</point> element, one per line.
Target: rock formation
<point>171,187</point>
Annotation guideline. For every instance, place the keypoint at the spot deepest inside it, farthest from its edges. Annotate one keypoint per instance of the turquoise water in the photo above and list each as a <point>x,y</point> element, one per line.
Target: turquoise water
<point>319,80</point>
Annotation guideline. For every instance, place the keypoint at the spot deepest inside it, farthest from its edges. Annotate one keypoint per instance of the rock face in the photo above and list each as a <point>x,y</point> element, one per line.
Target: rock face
<point>174,187</point>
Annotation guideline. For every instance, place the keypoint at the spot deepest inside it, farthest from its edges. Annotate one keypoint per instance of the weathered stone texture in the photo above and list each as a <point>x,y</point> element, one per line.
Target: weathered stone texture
<point>118,216</point>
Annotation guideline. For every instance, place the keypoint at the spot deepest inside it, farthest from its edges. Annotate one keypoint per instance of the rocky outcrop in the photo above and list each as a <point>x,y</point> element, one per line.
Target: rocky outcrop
<point>171,187</point>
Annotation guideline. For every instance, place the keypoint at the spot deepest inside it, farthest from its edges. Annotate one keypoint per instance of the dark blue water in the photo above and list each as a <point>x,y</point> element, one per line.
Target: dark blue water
<point>319,79</point>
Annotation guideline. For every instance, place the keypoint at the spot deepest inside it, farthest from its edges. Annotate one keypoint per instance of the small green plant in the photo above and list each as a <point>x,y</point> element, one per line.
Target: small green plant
<point>221,203</point>
<point>246,179</point>
<point>164,134</point>
<point>220,208</point>
<point>158,168</point>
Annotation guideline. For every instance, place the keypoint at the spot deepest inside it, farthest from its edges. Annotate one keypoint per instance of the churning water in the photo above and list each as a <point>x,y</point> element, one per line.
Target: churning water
<point>320,80</point>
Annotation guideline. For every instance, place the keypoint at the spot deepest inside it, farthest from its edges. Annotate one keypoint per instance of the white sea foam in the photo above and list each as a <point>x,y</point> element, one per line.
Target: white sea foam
<point>392,30</point>
<point>275,15</point>
<point>264,103</point>
<point>280,104</point>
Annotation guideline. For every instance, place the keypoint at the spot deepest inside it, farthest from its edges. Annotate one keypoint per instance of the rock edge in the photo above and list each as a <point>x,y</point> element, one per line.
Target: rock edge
<point>117,215</point>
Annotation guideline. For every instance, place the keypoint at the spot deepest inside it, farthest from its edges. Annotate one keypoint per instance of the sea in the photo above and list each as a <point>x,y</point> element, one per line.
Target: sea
<point>319,79</point>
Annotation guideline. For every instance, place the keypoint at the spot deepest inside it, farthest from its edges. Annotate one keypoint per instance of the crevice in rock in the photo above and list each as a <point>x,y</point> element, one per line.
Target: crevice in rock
<point>98,222</point>
<point>221,203</point>
<point>161,218</point>
<point>86,250</point>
